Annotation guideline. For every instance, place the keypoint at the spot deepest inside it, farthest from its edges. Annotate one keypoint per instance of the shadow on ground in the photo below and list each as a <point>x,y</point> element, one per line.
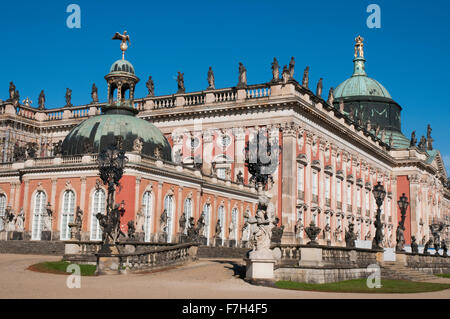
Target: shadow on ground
<point>238,269</point>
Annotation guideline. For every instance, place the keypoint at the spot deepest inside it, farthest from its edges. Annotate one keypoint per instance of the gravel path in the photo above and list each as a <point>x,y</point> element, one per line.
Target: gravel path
<point>207,278</point>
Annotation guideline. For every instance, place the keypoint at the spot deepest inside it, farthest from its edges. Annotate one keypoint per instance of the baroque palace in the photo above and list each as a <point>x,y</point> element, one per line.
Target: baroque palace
<point>189,155</point>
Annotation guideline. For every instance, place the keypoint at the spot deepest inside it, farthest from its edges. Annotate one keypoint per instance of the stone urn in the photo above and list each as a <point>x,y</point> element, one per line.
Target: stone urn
<point>312,231</point>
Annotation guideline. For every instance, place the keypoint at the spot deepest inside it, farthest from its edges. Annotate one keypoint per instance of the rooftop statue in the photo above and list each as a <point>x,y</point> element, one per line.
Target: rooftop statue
<point>242,75</point>
<point>429,138</point>
<point>180,81</point>
<point>291,67</point>
<point>211,84</point>
<point>275,70</point>
<point>359,47</point>
<point>12,91</point>
<point>286,75</point>
<point>413,139</point>
<point>150,86</point>
<point>330,99</point>
<point>68,97</point>
<point>422,144</point>
<point>124,38</point>
<point>305,77</point>
<point>41,100</point>
<point>319,87</point>
<point>94,94</point>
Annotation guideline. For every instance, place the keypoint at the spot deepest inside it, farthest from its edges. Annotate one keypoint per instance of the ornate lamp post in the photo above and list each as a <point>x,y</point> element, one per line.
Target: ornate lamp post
<point>403,205</point>
<point>110,164</point>
<point>379,193</point>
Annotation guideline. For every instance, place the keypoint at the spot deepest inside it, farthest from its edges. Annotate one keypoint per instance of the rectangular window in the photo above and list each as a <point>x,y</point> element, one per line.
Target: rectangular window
<point>300,178</point>
<point>338,190</point>
<point>349,194</point>
<point>315,186</point>
<point>327,187</point>
<point>358,197</point>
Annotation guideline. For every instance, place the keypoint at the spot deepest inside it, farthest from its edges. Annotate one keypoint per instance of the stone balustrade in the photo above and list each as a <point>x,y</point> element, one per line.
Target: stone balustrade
<point>216,96</point>
<point>158,258</point>
<point>339,257</point>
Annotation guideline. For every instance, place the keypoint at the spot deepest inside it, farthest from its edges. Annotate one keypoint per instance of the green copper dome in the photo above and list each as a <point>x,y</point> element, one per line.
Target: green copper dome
<point>360,84</point>
<point>98,132</point>
<point>122,66</point>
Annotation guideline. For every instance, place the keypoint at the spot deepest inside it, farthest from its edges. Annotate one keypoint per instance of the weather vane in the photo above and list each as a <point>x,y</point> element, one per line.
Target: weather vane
<point>359,46</point>
<point>124,38</point>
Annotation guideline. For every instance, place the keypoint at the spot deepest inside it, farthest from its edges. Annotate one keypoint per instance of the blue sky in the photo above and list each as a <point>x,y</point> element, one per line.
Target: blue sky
<point>409,54</point>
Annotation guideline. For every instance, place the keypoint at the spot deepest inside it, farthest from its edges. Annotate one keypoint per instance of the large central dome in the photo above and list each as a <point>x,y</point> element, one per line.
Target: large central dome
<point>118,120</point>
<point>98,132</point>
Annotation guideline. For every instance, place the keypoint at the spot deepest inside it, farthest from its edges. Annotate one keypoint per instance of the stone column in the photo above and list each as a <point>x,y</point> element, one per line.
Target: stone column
<point>158,212</point>
<point>289,184</point>
<point>179,210</point>
<point>26,201</point>
<point>84,235</point>
<point>239,146</point>
<point>137,195</point>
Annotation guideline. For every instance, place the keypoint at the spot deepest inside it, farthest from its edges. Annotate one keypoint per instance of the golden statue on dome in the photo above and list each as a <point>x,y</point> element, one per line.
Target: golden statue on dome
<point>124,38</point>
<point>359,46</point>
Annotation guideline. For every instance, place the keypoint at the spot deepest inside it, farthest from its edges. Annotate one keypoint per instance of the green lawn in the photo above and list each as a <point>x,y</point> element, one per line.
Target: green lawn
<point>360,286</point>
<point>60,267</point>
<point>443,275</point>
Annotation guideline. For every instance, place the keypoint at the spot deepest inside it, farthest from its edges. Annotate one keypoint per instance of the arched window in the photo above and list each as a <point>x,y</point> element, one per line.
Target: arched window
<point>2,209</point>
<point>187,211</point>
<point>221,221</point>
<point>234,221</point>
<point>39,214</point>
<point>98,206</point>
<point>67,214</point>
<point>169,207</point>
<point>207,230</point>
<point>147,204</point>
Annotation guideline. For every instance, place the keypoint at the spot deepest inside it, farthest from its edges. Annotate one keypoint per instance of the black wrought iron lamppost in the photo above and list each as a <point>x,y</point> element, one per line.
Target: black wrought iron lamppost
<point>403,205</point>
<point>379,193</point>
<point>111,163</point>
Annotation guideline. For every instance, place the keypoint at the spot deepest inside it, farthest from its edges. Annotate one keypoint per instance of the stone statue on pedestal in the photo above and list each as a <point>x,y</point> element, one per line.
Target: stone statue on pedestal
<point>240,178</point>
<point>20,220</point>
<point>305,78</point>
<point>275,70</point>
<point>413,139</point>
<point>291,67</point>
<point>211,80</point>
<point>218,229</point>
<point>180,81</point>
<point>131,230</point>
<point>429,138</point>
<point>422,144</point>
<point>286,76</point>
<point>427,245</point>
<point>201,225</point>
<point>140,219</point>
<point>150,86</point>
<point>12,91</point>
<point>242,76</point>
<point>163,221</point>
<point>137,145</point>
<point>400,238</point>
<point>414,246</point>
<point>319,88</point>
<point>182,223</point>
<point>262,235</point>
<point>330,99</point>
<point>68,97</point>
<point>41,100</point>
<point>350,236</point>
<point>444,248</point>
<point>94,94</point>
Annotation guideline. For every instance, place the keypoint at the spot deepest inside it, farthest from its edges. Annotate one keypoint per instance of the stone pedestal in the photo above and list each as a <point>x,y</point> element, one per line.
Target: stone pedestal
<point>71,248</point>
<point>260,266</point>
<point>218,242</point>
<point>46,235</point>
<point>232,243</point>
<point>259,269</point>
<point>107,262</point>
<point>311,257</point>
